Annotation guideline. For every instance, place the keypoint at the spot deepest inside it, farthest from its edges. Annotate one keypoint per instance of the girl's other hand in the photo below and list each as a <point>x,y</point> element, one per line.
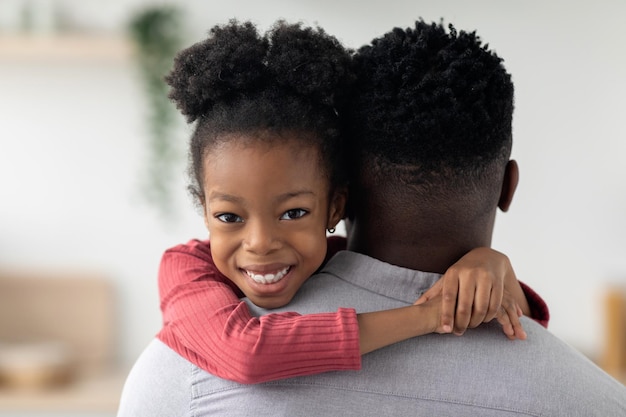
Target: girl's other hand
<point>473,292</point>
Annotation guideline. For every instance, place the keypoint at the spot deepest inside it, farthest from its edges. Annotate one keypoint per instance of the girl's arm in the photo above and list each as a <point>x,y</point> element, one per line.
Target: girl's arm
<point>533,306</point>
<point>205,322</point>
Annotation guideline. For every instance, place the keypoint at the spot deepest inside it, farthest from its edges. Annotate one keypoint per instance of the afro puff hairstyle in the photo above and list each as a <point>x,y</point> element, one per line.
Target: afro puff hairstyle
<point>290,79</point>
<point>434,103</point>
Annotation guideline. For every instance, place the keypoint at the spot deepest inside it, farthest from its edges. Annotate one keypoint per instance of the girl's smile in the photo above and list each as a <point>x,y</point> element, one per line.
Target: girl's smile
<point>269,285</point>
<point>261,277</point>
<point>268,205</point>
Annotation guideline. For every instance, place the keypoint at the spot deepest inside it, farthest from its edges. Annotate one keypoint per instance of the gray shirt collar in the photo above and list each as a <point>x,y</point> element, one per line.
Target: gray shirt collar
<point>379,277</point>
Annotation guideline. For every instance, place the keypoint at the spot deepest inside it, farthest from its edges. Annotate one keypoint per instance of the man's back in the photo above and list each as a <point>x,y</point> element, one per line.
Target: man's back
<point>481,373</point>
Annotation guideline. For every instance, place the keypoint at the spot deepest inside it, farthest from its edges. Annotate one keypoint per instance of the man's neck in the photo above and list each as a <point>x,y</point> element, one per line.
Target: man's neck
<point>410,249</point>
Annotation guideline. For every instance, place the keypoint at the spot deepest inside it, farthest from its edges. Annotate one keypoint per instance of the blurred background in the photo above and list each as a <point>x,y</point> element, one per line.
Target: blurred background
<point>93,183</point>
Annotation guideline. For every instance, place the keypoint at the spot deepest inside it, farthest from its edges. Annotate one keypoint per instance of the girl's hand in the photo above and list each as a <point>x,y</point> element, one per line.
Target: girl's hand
<point>508,316</point>
<point>476,290</point>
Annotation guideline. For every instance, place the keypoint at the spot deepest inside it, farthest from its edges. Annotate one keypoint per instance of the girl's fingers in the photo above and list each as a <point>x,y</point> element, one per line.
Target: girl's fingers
<point>464,305</point>
<point>450,290</point>
<point>513,312</point>
<point>509,318</point>
<point>497,294</point>
<point>505,321</point>
<point>482,305</point>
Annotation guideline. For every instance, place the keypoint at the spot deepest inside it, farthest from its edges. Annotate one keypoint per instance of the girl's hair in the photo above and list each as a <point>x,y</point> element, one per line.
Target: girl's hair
<point>289,80</point>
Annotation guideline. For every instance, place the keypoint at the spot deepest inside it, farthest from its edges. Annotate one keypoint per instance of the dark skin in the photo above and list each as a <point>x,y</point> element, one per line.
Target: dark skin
<point>430,235</point>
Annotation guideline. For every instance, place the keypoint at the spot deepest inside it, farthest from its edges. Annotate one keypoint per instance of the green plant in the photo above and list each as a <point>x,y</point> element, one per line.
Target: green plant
<point>157,34</point>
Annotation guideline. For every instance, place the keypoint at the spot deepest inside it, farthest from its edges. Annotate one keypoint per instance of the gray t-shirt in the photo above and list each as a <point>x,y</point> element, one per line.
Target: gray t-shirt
<point>481,373</point>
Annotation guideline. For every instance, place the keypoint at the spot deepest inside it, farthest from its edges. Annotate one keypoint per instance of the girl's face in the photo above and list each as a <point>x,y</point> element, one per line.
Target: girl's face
<point>267,209</point>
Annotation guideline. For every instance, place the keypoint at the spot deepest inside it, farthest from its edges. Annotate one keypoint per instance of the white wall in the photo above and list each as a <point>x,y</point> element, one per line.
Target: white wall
<point>71,150</point>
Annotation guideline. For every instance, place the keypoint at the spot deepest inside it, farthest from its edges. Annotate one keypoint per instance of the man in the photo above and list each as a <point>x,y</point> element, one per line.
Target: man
<point>430,128</point>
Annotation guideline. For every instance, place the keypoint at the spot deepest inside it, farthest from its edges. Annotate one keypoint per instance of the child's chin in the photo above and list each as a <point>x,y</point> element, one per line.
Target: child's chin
<point>271,303</point>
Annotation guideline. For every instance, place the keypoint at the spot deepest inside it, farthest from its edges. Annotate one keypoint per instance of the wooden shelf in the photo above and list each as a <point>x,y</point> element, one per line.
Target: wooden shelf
<point>64,48</point>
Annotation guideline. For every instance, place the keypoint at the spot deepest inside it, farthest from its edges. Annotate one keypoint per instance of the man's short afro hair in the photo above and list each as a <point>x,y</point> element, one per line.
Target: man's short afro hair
<point>430,98</point>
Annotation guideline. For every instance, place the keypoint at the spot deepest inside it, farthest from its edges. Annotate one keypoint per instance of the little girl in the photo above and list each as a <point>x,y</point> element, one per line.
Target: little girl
<point>266,167</point>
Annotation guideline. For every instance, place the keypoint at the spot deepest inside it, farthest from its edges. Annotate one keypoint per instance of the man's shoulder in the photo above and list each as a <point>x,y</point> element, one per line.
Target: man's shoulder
<point>479,373</point>
<point>159,384</point>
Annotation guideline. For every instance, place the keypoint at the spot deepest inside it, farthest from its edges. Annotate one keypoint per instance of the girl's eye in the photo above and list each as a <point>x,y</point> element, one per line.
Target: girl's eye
<point>294,214</point>
<point>229,218</point>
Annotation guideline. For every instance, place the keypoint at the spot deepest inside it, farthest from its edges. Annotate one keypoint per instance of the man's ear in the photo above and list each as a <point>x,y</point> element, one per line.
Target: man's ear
<point>509,185</point>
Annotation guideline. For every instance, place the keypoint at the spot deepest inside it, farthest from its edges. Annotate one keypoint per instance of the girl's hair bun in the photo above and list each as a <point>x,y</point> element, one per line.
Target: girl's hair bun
<point>308,61</point>
<point>219,68</point>
<point>235,61</point>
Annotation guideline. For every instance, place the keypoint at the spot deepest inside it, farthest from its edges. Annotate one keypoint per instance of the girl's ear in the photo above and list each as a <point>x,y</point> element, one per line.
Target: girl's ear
<point>337,207</point>
<point>509,184</point>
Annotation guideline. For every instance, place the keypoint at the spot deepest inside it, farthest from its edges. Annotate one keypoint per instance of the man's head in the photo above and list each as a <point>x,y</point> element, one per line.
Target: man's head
<point>430,130</point>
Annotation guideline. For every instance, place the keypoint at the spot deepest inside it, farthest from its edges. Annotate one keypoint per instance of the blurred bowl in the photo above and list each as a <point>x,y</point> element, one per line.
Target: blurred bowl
<point>35,365</point>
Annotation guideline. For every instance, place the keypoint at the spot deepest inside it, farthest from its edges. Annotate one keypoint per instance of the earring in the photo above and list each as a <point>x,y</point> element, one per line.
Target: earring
<point>331,230</point>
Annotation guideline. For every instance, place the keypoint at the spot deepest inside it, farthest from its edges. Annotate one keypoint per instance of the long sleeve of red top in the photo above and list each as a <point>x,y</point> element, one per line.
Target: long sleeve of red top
<point>205,321</point>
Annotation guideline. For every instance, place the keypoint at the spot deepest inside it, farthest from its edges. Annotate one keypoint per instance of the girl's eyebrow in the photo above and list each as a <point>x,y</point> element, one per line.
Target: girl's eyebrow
<point>216,195</point>
<point>293,194</point>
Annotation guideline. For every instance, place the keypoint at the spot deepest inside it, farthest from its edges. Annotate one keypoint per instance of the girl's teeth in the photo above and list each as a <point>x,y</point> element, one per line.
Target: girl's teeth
<point>268,278</point>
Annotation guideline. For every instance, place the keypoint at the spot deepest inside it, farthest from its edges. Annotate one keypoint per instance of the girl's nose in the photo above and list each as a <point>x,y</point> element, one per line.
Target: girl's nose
<point>261,238</point>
